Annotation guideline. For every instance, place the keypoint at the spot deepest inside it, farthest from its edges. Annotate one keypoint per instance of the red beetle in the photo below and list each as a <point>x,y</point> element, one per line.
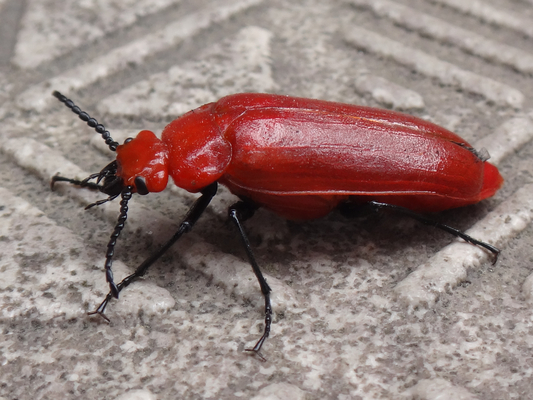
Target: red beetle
<point>299,158</point>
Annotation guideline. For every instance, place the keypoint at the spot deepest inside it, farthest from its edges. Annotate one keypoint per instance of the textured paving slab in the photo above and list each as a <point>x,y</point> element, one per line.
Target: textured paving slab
<point>374,308</point>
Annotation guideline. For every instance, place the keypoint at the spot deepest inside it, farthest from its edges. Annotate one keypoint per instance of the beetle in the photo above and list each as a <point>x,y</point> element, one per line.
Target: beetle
<point>299,158</point>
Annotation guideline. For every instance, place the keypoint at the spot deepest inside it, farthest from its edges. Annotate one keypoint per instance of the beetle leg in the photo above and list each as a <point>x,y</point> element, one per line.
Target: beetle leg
<point>84,183</point>
<point>238,213</point>
<point>195,212</point>
<point>427,221</point>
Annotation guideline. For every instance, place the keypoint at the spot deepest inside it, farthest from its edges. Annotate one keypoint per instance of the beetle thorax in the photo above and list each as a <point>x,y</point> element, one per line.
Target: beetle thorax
<point>198,151</point>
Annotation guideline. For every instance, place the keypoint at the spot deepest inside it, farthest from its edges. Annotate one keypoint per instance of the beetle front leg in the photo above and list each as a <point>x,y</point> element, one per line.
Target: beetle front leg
<point>84,183</point>
<point>195,212</point>
<point>238,213</point>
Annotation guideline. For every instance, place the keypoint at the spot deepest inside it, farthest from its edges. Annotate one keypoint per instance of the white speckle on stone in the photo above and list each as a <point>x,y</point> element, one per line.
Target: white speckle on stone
<point>280,391</point>
<point>439,389</point>
<point>139,394</point>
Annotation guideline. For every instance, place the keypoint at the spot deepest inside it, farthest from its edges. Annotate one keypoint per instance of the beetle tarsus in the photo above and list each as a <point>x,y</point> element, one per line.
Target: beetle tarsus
<point>257,352</point>
<point>101,308</point>
<point>268,321</point>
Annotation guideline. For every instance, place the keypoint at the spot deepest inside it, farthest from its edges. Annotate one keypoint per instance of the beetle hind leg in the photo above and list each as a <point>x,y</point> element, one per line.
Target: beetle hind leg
<point>238,213</point>
<point>377,206</point>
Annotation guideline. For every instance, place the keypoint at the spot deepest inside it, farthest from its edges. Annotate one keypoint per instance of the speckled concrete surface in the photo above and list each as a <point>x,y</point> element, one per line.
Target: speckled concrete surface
<point>371,308</point>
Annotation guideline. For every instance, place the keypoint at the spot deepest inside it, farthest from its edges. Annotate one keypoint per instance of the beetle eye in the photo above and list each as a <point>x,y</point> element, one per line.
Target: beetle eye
<point>128,140</point>
<point>140,184</point>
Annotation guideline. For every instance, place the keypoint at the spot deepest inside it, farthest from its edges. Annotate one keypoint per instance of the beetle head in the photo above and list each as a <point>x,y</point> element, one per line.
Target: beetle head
<point>140,167</point>
<point>142,163</point>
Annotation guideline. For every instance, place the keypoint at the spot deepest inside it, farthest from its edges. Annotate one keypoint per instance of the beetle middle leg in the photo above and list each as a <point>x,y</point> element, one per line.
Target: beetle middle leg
<point>238,213</point>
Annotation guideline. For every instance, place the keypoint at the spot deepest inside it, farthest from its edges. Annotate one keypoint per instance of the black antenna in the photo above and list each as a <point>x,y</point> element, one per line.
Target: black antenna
<point>126,196</point>
<point>87,118</point>
<point>113,186</point>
